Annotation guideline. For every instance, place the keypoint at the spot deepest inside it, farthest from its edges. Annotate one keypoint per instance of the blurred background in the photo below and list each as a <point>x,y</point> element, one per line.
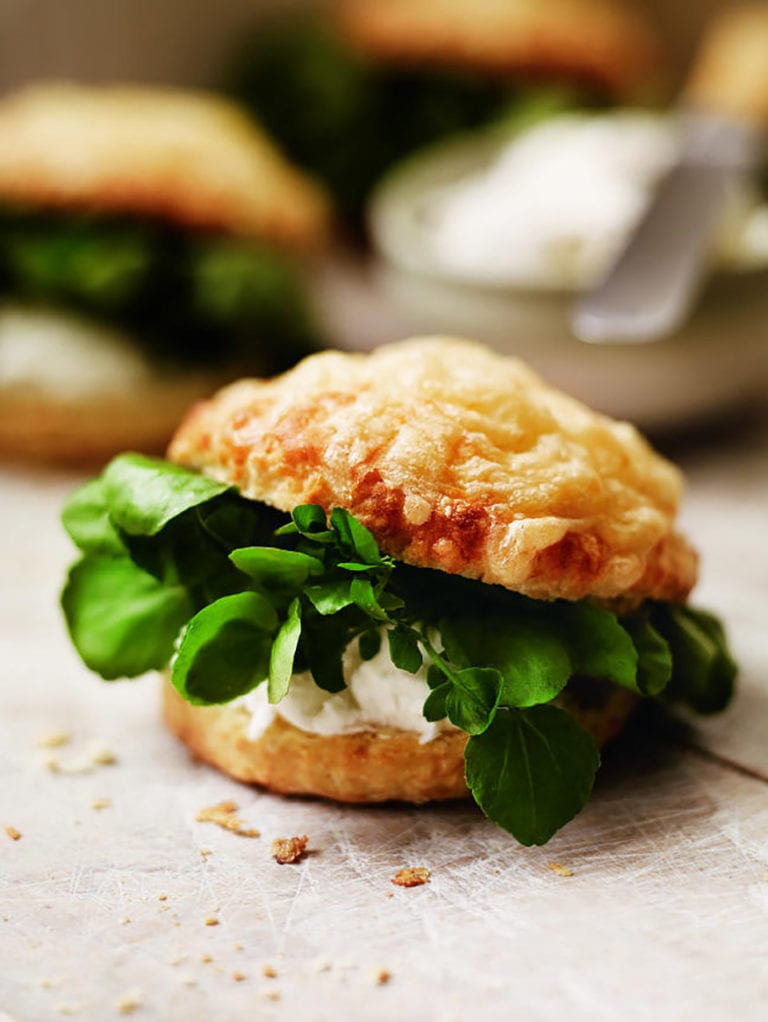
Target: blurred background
<point>441,179</point>
<point>185,41</point>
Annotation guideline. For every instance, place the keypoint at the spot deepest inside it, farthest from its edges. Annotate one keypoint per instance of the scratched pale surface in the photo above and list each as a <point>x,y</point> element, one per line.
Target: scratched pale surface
<point>103,911</point>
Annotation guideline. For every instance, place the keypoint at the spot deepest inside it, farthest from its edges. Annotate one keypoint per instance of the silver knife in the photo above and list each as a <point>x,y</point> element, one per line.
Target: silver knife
<point>653,284</point>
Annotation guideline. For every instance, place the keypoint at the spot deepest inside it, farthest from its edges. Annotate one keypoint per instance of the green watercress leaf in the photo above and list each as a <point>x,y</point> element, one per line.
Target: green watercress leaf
<point>86,519</point>
<point>144,494</point>
<point>330,597</point>
<point>275,569</point>
<point>704,671</point>
<point>654,665</point>
<point>225,649</point>
<point>530,656</point>
<point>354,537</point>
<point>434,708</point>
<point>283,653</point>
<point>473,697</point>
<point>122,621</point>
<point>362,592</point>
<point>597,644</point>
<point>369,644</point>
<point>404,651</point>
<point>532,771</point>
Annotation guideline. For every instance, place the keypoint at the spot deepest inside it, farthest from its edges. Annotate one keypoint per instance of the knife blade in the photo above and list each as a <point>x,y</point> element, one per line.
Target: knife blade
<point>652,285</point>
<point>649,290</point>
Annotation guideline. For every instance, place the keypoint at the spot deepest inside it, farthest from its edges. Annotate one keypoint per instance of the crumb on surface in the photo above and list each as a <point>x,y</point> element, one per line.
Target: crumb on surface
<point>383,976</point>
<point>206,958</point>
<point>101,755</point>
<point>124,920</point>
<point>269,971</point>
<point>53,739</point>
<point>204,853</point>
<point>162,897</point>
<point>101,803</point>
<point>211,921</point>
<point>95,754</point>
<point>223,815</point>
<point>560,869</point>
<point>272,995</point>
<point>13,834</point>
<point>238,977</point>
<point>289,849</point>
<point>411,876</point>
<point>128,1003</point>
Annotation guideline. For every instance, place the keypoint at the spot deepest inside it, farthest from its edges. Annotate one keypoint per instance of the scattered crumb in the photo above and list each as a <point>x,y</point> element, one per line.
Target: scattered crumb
<point>390,894</point>
<point>411,876</point>
<point>53,739</point>
<point>124,920</point>
<point>128,1003</point>
<point>190,981</point>
<point>12,833</point>
<point>237,947</point>
<point>178,960</point>
<point>289,849</point>
<point>238,977</point>
<point>162,897</point>
<point>211,921</point>
<point>223,815</point>
<point>269,971</point>
<point>272,995</point>
<point>95,754</point>
<point>320,965</point>
<point>560,869</point>
<point>204,853</point>
<point>101,803</point>
<point>206,958</point>
<point>383,976</point>
<point>101,755</point>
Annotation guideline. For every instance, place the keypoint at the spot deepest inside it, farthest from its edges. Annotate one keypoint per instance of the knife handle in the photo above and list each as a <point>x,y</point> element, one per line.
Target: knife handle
<point>730,73</point>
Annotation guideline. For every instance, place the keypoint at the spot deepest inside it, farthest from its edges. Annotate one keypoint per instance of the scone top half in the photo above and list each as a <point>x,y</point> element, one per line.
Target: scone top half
<point>187,158</point>
<point>459,460</point>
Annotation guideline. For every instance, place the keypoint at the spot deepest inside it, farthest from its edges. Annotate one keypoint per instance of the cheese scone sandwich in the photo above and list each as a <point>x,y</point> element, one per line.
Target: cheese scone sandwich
<point>148,253</point>
<point>416,574</point>
<point>369,81</point>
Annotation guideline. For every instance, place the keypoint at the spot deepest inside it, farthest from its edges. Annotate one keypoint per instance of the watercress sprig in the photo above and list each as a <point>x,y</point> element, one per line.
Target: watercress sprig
<point>178,568</point>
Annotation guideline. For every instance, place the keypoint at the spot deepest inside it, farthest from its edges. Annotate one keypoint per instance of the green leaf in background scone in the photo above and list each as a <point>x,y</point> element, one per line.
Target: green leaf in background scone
<point>283,653</point>
<point>532,771</point>
<point>225,649</point>
<point>144,494</point>
<point>122,621</point>
<point>86,519</point>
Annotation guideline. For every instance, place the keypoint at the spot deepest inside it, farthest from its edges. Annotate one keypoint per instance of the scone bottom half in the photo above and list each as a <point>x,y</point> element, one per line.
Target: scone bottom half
<point>308,568</point>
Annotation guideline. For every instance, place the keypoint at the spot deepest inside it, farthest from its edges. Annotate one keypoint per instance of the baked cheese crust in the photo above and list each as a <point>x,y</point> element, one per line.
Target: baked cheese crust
<point>457,459</point>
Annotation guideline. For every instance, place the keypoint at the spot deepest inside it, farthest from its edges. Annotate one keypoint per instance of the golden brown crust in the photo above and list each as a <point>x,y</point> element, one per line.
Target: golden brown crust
<point>457,459</point>
<point>372,766</point>
<point>190,158</point>
<point>598,41</point>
